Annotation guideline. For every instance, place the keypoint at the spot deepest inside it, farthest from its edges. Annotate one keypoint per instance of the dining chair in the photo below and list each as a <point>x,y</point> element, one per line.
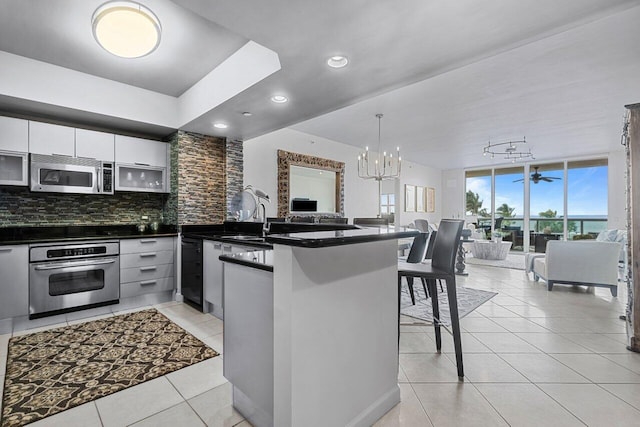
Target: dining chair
<point>422,225</point>
<point>442,266</point>
<point>416,255</point>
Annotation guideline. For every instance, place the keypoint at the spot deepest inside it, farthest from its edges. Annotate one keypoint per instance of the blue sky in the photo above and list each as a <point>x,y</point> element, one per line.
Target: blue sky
<point>587,192</point>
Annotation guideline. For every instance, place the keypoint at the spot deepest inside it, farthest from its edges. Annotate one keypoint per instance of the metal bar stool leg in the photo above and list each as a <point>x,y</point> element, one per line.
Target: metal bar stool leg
<point>455,323</point>
<point>433,291</point>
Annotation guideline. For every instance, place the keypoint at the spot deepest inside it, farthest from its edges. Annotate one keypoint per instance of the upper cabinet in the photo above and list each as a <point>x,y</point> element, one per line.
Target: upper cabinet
<point>141,165</point>
<point>95,145</point>
<point>14,134</point>
<point>45,138</point>
<point>14,145</point>
<point>138,151</point>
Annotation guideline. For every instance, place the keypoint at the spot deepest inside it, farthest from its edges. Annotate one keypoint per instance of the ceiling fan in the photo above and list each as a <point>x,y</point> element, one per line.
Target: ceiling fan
<point>536,177</point>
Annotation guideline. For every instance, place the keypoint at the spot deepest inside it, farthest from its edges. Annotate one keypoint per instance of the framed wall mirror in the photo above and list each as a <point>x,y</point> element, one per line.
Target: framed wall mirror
<point>308,184</point>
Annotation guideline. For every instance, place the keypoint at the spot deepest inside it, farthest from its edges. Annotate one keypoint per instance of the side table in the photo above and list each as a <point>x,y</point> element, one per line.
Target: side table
<point>460,259</point>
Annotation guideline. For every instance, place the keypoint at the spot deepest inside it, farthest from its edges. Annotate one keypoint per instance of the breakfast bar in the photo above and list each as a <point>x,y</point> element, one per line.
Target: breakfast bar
<point>311,328</point>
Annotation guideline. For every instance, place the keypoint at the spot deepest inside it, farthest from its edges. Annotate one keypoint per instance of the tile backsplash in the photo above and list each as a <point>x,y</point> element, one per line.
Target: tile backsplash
<point>21,207</point>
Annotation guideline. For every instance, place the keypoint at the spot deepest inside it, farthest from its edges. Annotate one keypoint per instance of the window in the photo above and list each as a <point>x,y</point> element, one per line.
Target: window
<point>587,199</point>
<point>388,203</point>
<point>575,209</point>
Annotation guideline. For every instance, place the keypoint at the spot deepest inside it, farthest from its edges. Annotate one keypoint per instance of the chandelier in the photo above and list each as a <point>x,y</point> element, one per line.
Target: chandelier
<point>510,150</point>
<point>381,166</point>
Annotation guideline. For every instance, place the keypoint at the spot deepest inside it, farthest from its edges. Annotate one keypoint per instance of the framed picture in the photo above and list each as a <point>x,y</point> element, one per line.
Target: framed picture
<point>431,199</point>
<point>409,198</point>
<point>420,199</point>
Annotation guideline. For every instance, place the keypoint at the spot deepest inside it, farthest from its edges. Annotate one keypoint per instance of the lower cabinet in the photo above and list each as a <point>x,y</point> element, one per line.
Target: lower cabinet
<point>146,266</point>
<point>213,273</point>
<point>14,281</point>
<point>212,277</point>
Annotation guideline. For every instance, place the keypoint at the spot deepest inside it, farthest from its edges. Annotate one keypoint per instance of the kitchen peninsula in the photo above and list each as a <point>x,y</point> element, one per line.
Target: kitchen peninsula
<point>311,328</point>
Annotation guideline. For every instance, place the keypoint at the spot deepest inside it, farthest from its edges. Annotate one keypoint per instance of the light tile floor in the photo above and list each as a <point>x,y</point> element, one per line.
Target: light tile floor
<point>531,357</point>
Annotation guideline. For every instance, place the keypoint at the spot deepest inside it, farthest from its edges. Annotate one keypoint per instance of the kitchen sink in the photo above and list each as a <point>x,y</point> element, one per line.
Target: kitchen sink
<point>247,238</point>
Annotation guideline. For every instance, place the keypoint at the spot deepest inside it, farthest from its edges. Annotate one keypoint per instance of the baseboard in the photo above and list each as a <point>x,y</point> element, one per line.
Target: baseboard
<point>377,409</point>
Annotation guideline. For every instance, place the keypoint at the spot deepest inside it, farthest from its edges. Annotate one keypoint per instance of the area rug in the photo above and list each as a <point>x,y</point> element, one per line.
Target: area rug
<point>468,300</point>
<point>514,261</point>
<point>51,371</point>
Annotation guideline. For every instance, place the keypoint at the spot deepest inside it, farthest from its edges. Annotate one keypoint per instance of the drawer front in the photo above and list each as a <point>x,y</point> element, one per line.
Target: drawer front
<point>130,246</point>
<point>142,287</point>
<point>148,258</point>
<point>148,272</point>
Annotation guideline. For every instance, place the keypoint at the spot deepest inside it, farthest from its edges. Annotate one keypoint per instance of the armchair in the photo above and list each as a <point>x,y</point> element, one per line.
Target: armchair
<point>587,263</point>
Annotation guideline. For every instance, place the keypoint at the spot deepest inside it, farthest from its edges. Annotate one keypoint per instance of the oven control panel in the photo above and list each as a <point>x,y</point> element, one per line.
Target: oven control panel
<point>74,252</point>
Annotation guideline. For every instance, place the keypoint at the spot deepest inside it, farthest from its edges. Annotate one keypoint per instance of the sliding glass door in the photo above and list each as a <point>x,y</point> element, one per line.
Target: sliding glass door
<point>556,201</point>
<point>509,205</point>
<point>546,199</point>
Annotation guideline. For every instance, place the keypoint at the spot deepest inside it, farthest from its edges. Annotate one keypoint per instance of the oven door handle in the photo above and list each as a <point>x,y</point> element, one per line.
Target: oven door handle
<point>72,264</point>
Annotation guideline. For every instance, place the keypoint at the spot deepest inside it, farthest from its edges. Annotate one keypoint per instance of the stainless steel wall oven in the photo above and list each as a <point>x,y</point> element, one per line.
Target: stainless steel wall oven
<point>68,277</point>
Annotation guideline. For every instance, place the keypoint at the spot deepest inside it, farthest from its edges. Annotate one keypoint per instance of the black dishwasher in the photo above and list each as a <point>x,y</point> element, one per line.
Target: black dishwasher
<point>192,272</point>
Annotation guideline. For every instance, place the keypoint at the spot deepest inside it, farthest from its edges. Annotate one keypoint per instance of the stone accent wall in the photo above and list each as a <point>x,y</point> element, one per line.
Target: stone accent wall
<point>201,195</point>
<point>234,170</point>
<point>171,208</point>
<point>21,207</point>
<point>287,158</point>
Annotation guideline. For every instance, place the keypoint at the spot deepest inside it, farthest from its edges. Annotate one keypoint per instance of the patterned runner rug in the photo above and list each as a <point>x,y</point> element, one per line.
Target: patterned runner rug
<point>51,371</point>
<point>468,300</point>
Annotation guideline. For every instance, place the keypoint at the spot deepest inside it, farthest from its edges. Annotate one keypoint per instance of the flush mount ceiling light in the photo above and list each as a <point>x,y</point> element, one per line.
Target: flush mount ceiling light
<point>337,61</point>
<point>126,29</point>
<point>510,150</point>
<point>220,125</point>
<point>279,99</point>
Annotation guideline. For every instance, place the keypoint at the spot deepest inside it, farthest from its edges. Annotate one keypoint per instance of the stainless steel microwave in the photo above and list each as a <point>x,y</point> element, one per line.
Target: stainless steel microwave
<point>61,174</point>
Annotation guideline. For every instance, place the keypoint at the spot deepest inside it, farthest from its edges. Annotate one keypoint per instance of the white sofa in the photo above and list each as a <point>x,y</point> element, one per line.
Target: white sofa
<point>588,263</point>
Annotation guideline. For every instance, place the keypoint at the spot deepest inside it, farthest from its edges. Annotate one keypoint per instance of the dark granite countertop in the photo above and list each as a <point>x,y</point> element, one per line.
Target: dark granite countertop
<point>321,239</point>
<point>262,260</point>
<point>27,235</point>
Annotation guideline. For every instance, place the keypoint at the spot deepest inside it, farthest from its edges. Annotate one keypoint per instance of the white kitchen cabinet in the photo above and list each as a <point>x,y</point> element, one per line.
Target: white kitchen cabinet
<point>95,145</point>
<point>212,276</point>
<point>143,152</point>
<point>14,134</point>
<point>14,286</point>
<point>47,139</point>
<point>141,178</point>
<point>146,266</point>
<point>13,168</point>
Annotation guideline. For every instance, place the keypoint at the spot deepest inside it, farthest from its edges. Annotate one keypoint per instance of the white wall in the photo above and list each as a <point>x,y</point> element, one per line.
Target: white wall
<point>421,176</point>
<point>453,202</point>
<point>361,196</point>
<point>617,183</point>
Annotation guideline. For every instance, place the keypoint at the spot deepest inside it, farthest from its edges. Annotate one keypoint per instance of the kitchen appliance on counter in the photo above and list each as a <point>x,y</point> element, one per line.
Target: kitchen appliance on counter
<point>61,174</point>
<point>69,277</point>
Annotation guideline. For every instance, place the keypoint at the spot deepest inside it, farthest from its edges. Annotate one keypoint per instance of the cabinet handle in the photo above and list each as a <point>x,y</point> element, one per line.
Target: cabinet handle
<point>148,255</point>
<point>148,282</point>
<point>63,155</point>
<point>5,249</point>
<point>152,268</point>
<point>143,241</point>
<point>142,164</point>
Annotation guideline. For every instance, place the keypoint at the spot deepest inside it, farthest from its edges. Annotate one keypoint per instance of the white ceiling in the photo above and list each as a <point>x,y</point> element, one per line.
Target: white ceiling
<point>447,75</point>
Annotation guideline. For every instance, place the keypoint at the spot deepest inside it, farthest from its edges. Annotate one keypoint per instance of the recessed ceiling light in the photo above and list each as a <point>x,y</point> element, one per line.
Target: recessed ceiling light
<point>247,114</point>
<point>126,29</point>
<point>337,61</point>
<point>220,125</point>
<point>279,99</point>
